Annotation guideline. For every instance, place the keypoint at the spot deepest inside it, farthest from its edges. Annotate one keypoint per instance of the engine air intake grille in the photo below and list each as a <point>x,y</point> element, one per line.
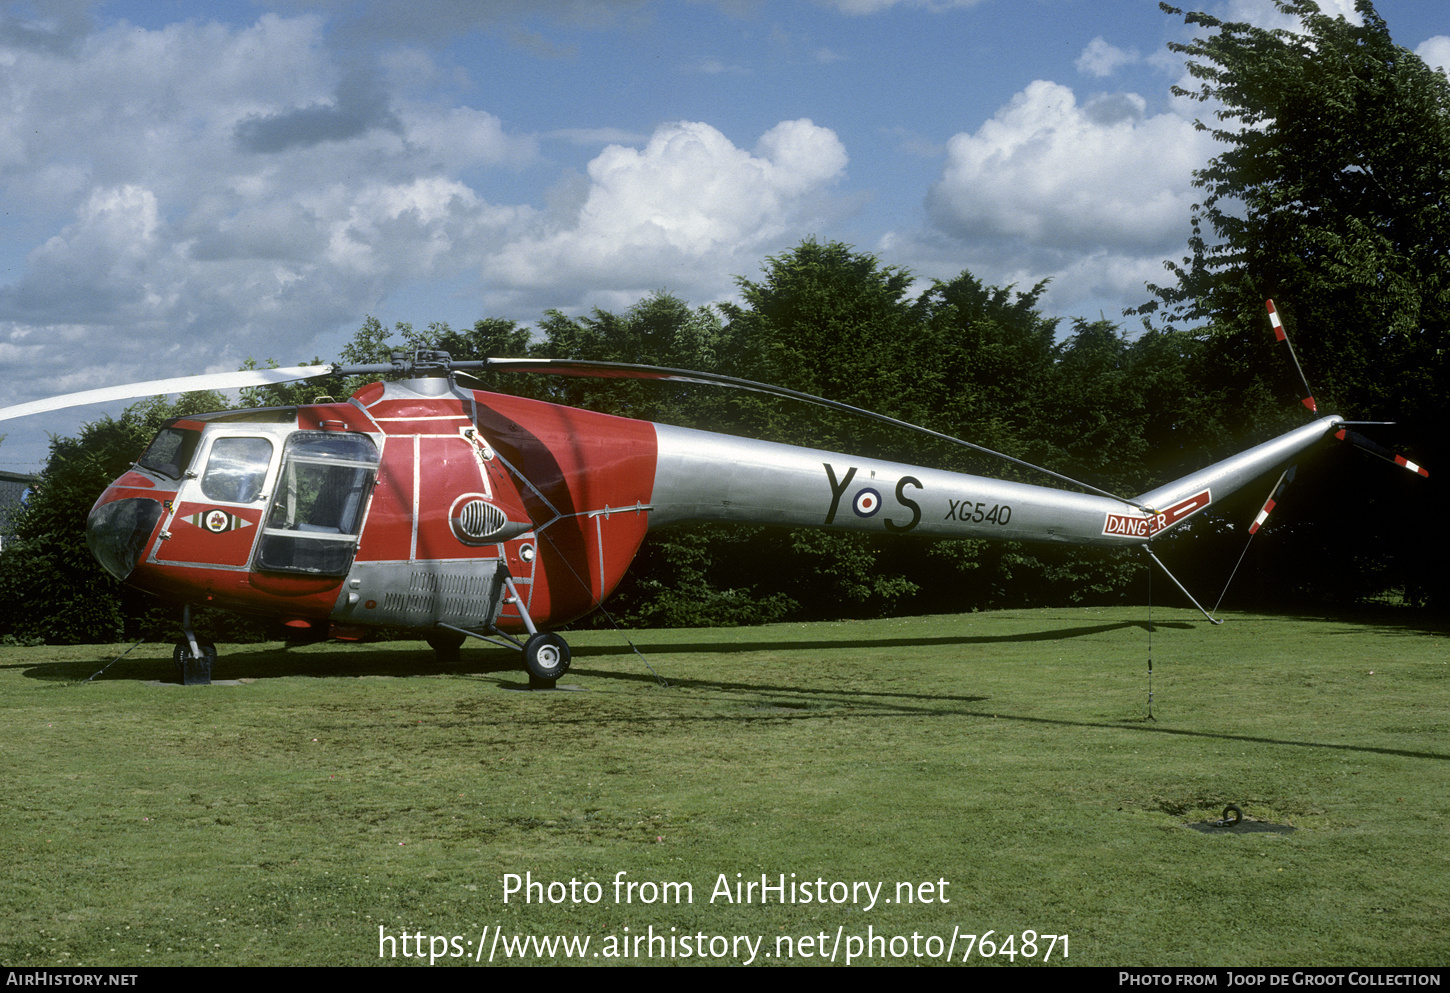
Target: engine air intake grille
<point>478,520</point>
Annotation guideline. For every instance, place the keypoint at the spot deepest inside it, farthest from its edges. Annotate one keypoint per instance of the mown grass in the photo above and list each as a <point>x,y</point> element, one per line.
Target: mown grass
<point>337,789</point>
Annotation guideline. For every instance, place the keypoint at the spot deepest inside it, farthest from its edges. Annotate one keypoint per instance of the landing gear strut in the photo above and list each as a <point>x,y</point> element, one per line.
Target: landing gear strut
<point>546,655</point>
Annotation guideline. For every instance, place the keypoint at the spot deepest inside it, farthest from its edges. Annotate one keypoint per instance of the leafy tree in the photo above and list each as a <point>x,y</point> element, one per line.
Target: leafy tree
<point>660,330</point>
<point>1332,196</point>
<point>992,360</point>
<point>50,587</point>
<point>833,322</point>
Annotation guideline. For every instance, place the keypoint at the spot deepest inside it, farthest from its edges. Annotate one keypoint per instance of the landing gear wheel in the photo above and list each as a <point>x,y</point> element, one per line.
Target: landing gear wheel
<point>446,645</point>
<point>1231,816</point>
<point>192,670</point>
<point>546,656</point>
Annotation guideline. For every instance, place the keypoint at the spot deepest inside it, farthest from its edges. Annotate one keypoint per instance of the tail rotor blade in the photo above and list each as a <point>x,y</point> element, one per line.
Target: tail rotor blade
<point>1285,478</point>
<point>1281,335</point>
<point>1379,451</point>
<point>1269,504</point>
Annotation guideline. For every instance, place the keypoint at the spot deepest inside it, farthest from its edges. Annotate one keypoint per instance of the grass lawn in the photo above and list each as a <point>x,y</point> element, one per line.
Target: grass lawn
<point>903,784</point>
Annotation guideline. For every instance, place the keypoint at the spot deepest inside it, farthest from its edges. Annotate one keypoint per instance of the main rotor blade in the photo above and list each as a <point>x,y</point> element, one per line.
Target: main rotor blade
<point>627,370</point>
<point>181,384</point>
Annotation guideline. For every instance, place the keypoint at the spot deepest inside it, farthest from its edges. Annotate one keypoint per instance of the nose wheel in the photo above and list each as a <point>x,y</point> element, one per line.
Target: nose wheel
<point>193,658</point>
<point>194,669</point>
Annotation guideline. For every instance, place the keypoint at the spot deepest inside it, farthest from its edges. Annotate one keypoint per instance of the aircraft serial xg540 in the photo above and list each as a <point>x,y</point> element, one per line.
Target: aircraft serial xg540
<point>425,505</point>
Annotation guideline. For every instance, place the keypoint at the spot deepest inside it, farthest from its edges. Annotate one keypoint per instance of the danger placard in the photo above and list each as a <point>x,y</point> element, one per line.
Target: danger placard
<point>1147,525</point>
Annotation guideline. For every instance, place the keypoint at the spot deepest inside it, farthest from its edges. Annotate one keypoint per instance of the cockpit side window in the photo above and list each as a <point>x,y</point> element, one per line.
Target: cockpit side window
<point>170,451</point>
<point>236,470</point>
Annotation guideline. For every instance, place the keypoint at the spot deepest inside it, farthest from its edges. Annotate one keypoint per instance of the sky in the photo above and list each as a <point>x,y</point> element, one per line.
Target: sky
<point>188,185</point>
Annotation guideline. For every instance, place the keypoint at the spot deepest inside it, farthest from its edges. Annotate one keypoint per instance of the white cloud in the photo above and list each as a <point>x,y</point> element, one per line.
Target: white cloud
<point>679,210</point>
<point>1436,52</point>
<point>200,193</point>
<point>203,193</point>
<point>1051,172</point>
<point>1091,196</point>
<point>1266,14</point>
<point>1101,59</point>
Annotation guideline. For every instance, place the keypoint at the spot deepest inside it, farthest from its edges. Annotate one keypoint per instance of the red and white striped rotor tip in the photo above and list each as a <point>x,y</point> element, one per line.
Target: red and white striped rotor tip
<point>1413,467</point>
<point>1281,335</point>
<point>1262,516</point>
<point>1354,438</point>
<point>1274,321</point>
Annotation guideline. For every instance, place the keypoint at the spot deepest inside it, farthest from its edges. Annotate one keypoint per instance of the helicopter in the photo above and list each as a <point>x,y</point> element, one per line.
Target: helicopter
<point>425,505</point>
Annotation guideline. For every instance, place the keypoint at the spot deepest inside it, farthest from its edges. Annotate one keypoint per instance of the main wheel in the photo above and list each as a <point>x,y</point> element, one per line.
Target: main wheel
<point>194,671</point>
<point>446,645</point>
<point>546,655</point>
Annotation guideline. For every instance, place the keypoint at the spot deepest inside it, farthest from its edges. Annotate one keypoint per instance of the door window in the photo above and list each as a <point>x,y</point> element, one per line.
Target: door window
<point>317,512</point>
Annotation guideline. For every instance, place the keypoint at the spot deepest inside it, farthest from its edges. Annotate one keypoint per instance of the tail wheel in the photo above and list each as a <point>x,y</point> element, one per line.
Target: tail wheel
<point>546,655</point>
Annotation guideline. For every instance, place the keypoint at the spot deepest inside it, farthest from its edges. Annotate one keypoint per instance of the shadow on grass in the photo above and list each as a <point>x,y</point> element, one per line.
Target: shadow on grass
<point>243,662</point>
<point>829,644</point>
<point>1381,620</point>
<point>895,704</point>
<point>350,661</point>
<point>356,661</point>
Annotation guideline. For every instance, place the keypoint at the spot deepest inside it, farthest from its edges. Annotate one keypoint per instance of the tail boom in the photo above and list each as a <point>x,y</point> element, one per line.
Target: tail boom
<point>702,476</point>
<point>1236,471</point>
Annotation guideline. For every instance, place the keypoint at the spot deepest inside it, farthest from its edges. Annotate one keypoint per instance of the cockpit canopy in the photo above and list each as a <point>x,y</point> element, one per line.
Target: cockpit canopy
<point>316,496</point>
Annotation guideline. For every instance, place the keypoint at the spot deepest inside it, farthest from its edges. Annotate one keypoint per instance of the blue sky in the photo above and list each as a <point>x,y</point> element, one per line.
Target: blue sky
<point>188,185</point>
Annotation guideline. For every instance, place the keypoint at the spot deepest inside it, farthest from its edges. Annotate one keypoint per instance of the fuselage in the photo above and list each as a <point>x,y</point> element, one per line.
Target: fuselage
<point>408,505</point>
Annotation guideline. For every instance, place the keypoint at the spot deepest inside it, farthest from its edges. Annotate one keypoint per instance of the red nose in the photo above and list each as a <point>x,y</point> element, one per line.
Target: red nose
<point>117,532</point>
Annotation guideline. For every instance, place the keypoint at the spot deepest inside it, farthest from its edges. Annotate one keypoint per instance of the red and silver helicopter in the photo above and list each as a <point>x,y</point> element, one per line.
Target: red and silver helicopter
<point>426,505</point>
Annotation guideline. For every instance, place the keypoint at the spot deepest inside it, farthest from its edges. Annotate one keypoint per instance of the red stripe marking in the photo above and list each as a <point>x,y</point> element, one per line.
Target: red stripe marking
<point>1401,460</point>
<point>1274,320</point>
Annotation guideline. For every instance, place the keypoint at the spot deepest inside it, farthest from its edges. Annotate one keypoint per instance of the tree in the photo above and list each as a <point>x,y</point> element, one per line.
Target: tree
<point>833,322</point>
<point>1331,196</point>
<point>51,588</point>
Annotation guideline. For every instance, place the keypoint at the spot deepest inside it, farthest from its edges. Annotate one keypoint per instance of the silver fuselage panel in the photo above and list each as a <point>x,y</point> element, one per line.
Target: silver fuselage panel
<point>465,593</point>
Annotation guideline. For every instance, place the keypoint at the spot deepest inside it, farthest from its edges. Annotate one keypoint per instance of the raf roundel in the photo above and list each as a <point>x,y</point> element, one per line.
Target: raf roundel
<point>867,502</point>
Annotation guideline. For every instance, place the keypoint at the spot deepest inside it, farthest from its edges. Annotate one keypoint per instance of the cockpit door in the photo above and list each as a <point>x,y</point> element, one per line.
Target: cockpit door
<point>320,501</point>
<point>216,515</point>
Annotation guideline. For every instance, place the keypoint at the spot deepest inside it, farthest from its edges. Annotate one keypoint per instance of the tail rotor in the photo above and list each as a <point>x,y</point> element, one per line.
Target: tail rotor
<point>1344,434</point>
<point>1352,437</point>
